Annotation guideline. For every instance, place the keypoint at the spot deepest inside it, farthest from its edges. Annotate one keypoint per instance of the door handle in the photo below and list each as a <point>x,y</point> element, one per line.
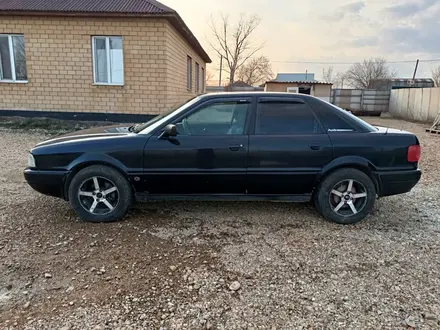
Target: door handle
<point>235,147</point>
<point>315,147</point>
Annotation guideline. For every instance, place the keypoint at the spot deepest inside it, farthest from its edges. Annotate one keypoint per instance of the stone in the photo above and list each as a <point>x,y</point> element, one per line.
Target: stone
<point>234,286</point>
<point>410,322</point>
<point>47,275</point>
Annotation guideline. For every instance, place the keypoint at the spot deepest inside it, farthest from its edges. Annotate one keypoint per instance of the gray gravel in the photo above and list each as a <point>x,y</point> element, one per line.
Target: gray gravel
<point>224,265</point>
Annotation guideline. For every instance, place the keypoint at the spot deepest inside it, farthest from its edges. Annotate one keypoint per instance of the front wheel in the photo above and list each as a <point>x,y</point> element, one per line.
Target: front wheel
<point>100,194</point>
<point>346,196</point>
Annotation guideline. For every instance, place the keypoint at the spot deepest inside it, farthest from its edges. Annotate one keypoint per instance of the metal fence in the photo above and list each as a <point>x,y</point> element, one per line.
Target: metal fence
<point>367,102</point>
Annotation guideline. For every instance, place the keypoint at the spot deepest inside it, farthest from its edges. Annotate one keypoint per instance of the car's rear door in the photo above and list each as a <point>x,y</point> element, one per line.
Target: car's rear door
<point>209,154</point>
<point>287,148</point>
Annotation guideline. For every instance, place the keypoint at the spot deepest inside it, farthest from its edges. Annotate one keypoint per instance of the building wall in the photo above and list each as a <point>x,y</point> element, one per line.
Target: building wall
<point>420,104</point>
<point>177,50</point>
<point>60,69</point>
<point>323,92</point>
<point>278,87</point>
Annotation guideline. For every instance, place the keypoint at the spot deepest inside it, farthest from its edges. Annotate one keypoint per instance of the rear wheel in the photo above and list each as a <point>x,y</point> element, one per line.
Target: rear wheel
<point>346,196</point>
<point>100,194</point>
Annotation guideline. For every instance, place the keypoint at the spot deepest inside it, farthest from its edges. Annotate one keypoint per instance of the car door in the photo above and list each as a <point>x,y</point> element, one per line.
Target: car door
<point>209,154</point>
<point>287,149</point>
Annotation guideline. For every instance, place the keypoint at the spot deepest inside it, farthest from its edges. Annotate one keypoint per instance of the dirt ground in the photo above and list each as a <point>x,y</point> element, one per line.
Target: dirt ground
<point>183,265</point>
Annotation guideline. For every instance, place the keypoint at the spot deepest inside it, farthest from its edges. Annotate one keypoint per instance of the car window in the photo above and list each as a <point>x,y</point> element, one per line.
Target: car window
<point>285,118</point>
<point>220,118</point>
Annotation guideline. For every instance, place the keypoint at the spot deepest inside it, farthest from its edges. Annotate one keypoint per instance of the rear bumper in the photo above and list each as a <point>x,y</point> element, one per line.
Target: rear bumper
<point>47,182</point>
<point>400,182</point>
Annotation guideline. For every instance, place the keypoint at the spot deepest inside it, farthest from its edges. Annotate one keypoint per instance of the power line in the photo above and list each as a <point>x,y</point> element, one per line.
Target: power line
<point>348,63</point>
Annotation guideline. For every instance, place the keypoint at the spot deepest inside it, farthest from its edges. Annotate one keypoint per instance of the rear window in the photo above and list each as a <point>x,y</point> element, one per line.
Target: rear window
<point>359,121</point>
<point>335,119</point>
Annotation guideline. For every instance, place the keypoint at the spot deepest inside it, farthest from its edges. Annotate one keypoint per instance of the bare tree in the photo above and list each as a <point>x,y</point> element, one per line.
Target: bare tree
<point>234,43</point>
<point>361,75</point>
<point>327,74</point>
<point>436,76</point>
<point>209,77</point>
<point>340,80</point>
<point>255,72</point>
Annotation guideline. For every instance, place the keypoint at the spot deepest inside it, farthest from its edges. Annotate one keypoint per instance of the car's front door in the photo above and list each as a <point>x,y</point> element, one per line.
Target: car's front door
<point>209,154</point>
<point>288,148</point>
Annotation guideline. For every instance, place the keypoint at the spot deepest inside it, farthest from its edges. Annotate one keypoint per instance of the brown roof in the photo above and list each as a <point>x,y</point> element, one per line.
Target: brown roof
<point>310,82</point>
<point>140,8</point>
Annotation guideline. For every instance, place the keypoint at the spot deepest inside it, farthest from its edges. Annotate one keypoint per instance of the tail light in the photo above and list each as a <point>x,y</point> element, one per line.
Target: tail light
<point>413,154</point>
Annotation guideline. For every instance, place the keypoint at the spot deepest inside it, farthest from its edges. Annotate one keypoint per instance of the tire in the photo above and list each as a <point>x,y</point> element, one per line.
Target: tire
<point>108,203</point>
<point>331,198</point>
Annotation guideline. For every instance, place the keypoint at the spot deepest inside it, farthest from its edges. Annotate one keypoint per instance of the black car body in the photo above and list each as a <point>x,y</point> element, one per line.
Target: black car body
<point>237,146</point>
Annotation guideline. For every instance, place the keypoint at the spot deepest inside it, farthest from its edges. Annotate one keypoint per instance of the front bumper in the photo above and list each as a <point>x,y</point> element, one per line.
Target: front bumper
<point>47,182</point>
<point>399,182</point>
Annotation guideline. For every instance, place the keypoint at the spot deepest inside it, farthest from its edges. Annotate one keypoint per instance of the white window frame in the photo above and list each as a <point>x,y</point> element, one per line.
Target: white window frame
<point>12,60</point>
<point>107,52</point>
<point>293,90</point>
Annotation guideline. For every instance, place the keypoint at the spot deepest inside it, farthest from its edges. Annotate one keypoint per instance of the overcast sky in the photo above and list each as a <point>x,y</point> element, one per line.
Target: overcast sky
<point>329,31</point>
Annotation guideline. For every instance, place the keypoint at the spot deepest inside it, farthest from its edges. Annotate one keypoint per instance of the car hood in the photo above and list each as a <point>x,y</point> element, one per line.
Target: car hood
<point>90,134</point>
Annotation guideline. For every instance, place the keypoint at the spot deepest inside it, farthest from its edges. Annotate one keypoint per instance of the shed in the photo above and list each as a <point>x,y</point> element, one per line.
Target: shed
<point>316,88</point>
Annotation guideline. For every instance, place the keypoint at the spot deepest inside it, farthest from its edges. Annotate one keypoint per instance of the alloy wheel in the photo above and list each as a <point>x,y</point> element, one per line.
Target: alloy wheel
<point>348,197</point>
<point>98,195</point>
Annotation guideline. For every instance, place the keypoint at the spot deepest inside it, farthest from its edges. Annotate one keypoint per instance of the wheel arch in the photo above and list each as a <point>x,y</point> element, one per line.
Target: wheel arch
<point>359,163</point>
<point>83,162</point>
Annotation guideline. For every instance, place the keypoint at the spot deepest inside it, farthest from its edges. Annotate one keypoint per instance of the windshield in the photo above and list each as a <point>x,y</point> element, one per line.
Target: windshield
<point>361,122</point>
<point>149,126</point>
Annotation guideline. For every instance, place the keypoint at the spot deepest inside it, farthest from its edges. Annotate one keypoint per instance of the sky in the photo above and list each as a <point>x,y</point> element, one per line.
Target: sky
<point>328,31</point>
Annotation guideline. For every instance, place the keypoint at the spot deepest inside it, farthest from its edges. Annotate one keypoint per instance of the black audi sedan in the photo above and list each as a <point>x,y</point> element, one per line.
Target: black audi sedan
<point>231,146</point>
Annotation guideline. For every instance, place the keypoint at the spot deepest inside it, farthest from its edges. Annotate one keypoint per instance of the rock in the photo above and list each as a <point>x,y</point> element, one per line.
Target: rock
<point>70,289</point>
<point>208,325</point>
<point>47,275</point>
<point>26,305</point>
<point>234,286</point>
<point>173,268</point>
<point>431,317</point>
<point>410,322</point>
<point>71,303</point>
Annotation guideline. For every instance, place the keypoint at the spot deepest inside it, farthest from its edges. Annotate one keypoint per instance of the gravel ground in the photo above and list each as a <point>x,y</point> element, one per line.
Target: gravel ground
<point>182,265</point>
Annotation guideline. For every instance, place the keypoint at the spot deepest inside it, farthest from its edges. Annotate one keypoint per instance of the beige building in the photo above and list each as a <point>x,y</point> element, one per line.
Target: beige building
<point>102,56</point>
<point>303,83</point>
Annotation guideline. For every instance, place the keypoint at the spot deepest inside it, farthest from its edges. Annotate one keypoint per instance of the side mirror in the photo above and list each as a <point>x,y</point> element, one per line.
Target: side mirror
<point>169,131</point>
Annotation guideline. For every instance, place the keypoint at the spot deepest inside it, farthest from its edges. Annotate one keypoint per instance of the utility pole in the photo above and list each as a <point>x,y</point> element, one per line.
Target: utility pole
<point>221,69</point>
<point>415,70</point>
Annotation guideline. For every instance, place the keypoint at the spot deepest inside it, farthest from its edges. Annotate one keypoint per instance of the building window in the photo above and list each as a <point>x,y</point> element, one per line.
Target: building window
<point>108,60</point>
<point>197,77</point>
<point>12,58</point>
<point>203,79</point>
<point>189,73</point>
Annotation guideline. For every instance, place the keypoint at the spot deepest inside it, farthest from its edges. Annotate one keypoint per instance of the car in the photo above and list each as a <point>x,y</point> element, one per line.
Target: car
<point>231,146</point>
